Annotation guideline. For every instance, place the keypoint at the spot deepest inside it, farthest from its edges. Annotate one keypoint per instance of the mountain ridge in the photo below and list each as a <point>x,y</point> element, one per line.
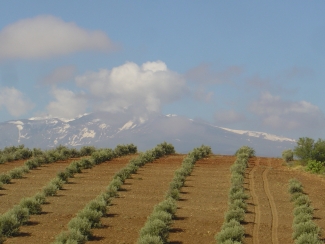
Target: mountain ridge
<point>105,129</point>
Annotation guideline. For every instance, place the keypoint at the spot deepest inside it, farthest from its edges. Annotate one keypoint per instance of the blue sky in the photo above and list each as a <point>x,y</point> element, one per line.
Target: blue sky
<point>248,65</point>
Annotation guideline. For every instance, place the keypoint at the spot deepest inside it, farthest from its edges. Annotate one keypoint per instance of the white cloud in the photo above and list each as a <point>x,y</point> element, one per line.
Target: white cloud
<point>68,105</point>
<point>14,101</point>
<point>139,88</point>
<point>225,118</point>
<point>287,115</point>
<point>46,36</point>
<point>60,75</point>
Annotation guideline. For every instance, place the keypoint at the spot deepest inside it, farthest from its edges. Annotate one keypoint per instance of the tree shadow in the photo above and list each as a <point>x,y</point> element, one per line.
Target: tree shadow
<point>176,230</point>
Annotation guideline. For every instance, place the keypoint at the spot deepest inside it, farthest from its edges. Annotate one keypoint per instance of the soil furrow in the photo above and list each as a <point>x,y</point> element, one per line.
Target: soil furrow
<point>272,204</point>
<point>204,201</point>
<point>5,167</point>
<point>29,185</point>
<point>257,220</point>
<point>72,198</point>
<point>128,213</point>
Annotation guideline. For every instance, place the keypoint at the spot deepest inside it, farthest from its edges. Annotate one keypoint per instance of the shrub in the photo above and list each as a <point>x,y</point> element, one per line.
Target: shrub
<point>302,217</point>
<point>63,176</point>
<point>87,150</point>
<point>308,238</point>
<point>315,167</point>
<point>9,224</point>
<point>235,233</point>
<point>33,206</point>
<point>238,203</point>
<point>98,205</point>
<point>149,239</point>
<point>16,173</point>
<point>57,182</point>
<point>287,155</point>
<point>20,213</point>
<point>156,227</point>
<point>50,189</point>
<point>235,213</point>
<point>92,216</point>
<point>295,186</point>
<point>303,209</point>
<point>162,215</point>
<point>305,227</point>
<point>302,200</point>
<point>246,150</point>
<point>5,179</point>
<point>86,163</point>
<point>31,164</point>
<point>40,197</point>
<point>168,205</point>
<point>70,237</point>
<point>81,225</point>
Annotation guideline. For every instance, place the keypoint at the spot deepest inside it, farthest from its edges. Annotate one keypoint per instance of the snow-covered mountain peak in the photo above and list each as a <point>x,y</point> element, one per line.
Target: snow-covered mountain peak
<point>258,134</point>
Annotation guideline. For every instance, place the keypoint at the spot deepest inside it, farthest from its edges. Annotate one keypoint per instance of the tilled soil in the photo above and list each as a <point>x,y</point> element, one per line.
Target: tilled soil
<point>71,199</point>
<point>140,194</point>
<point>5,167</point>
<point>204,200</point>
<point>270,213</point>
<point>29,185</point>
<point>201,209</point>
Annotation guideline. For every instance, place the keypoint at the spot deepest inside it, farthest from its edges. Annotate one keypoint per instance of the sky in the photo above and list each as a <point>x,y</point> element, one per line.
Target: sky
<point>248,65</point>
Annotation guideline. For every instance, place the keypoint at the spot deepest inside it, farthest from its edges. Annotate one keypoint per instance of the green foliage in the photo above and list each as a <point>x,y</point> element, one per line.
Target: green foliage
<point>5,178</point>
<point>70,237</point>
<point>81,225</point>
<point>308,238</point>
<point>287,155</point>
<point>33,206</point>
<point>50,189</point>
<point>234,234</point>
<point>149,239</point>
<point>315,167</point>
<point>9,224</point>
<point>304,148</point>
<point>295,186</point>
<point>246,150</point>
<point>20,213</point>
<point>235,213</point>
<point>307,149</point>
<point>305,227</point>
<point>91,215</point>
<point>155,227</point>
<point>87,150</point>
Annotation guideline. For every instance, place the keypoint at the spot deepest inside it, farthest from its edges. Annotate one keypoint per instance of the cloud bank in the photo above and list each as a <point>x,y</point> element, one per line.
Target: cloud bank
<point>287,115</point>
<point>14,101</point>
<point>47,36</point>
<point>140,89</point>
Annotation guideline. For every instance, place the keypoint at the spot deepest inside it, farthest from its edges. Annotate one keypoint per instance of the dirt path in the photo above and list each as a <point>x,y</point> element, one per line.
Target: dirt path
<point>204,201</point>
<point>61,208</point>
<point>141,193</point>
<point>267,199</point>
<point>29,185</point>
<point>5,167</point>
<point>257,211</point>
<point>272,204</point>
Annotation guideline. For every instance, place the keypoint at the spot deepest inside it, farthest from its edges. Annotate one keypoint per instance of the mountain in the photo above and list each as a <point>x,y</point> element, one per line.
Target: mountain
<point>105,129</point>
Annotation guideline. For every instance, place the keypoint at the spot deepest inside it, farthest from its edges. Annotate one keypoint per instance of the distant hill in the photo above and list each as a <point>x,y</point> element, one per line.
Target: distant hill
<point>105,129</point>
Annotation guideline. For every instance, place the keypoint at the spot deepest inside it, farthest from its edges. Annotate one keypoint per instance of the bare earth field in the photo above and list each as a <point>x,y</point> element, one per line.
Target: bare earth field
<point>4,168</point>
<point>200,213</point>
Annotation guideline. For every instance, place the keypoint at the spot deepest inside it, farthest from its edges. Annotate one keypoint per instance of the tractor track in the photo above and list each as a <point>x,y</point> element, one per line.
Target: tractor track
<point>275,221</point>
<point>261,169</point>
